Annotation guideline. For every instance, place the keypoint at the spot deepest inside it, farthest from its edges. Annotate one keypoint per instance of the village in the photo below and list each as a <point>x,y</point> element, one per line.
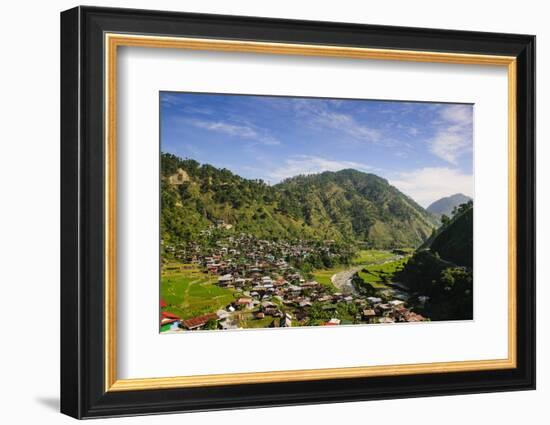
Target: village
<point>270,291</point>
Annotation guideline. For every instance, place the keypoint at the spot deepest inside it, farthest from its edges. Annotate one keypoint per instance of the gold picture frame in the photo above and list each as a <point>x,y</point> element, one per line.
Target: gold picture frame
<point>114,41</point>
<point>91,40</point>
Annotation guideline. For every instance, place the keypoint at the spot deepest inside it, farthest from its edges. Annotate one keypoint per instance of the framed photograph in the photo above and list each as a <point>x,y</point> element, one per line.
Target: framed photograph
<point>261,212</point>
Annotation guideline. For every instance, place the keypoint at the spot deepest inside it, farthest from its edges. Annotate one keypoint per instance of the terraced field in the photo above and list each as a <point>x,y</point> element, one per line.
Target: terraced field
<point>189,293</point>
<point>379,275</point>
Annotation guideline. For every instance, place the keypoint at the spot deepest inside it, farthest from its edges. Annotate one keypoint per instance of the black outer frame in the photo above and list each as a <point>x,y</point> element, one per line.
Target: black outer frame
<point>82,212</point>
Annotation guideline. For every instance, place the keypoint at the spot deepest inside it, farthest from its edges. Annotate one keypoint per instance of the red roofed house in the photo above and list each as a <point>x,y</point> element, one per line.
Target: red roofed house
<point>243,302</point>
<point>199,321</point>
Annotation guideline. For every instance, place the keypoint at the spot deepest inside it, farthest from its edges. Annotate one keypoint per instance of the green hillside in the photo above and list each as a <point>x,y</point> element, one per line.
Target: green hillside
<point>455,241</point>
<point>345,206</point>
<point>441,268</point>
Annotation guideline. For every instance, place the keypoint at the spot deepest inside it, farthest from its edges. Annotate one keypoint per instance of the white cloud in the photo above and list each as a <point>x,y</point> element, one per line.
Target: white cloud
<point>457,113</point>
<point>322,115</point>
<point>455,135</point>
<point>427,185</point>
<point>195,110</point>
<point>348,125</point>
<point>236,130</point>
<point>170,99</point>
<point>305,164</point>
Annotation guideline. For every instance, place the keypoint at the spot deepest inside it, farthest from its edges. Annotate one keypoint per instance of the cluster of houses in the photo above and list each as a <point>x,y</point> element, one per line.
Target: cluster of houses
<point>244,249</point>
<point>287,311</point>
<point>270,289</point>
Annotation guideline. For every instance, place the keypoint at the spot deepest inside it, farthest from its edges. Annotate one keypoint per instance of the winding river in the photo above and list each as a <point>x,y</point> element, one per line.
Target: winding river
<point>342,280</point>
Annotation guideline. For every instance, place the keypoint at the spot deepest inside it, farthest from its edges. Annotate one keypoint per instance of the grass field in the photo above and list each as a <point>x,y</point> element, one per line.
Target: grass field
<point>323,276</point>
<point>190,293</point>
<point>372,256</point>
<point>378,274</point>
<point>252,323</point>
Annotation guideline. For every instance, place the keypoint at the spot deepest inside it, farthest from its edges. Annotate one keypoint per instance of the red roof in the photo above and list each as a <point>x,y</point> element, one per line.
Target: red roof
<point>169,315</point>
<point>243,301</point>
<point>195,322</point>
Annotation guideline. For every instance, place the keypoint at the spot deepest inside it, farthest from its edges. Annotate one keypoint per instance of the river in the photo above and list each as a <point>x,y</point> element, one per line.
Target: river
<point>342,280</point>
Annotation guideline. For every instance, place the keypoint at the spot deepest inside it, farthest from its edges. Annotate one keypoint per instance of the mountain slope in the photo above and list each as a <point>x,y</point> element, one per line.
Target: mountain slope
<point>446,205</point>
<point>454,242</point>
<point>362,206</point>
<point>441,269</point>
<point>345,206</point>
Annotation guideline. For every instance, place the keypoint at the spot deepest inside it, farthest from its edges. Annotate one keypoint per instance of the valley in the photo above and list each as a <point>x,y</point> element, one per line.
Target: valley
<point>329,249</point>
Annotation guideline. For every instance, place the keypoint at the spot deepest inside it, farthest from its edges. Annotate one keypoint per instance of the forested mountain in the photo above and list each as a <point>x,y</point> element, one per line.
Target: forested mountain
<point>454,242</point>
<point>442,268</point>
<point>362,206</point>
<point>345,206</point>
<point>446,205</point>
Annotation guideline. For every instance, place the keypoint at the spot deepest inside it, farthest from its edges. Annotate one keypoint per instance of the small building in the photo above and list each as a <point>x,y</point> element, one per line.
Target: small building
<point>239,282</point>
<point>368,313</point>
<point>225,280</point>
<point>243,302</point>
<point>383,308</point>
<point>331,322</point>
<point>199,321</point>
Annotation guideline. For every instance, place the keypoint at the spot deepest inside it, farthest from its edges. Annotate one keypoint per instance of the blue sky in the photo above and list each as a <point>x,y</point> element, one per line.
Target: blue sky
<point>424,149</point>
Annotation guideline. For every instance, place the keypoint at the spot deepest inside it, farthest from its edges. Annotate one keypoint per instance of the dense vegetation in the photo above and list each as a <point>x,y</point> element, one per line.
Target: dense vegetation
<point>335,228</point>
<point>442,268</point>
<point>454,241</point>
<point>347,206</point>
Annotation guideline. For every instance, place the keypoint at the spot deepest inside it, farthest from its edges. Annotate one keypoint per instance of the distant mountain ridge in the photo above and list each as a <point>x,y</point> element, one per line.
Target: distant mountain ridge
<point>345,206</point>
<point>445,205</point>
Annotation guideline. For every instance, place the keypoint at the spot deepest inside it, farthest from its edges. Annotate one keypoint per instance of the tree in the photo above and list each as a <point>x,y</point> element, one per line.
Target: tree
<point>211,325</point>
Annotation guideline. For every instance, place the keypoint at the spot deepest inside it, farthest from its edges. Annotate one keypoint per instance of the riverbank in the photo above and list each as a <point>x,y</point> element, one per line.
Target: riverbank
<point>368,262</point>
